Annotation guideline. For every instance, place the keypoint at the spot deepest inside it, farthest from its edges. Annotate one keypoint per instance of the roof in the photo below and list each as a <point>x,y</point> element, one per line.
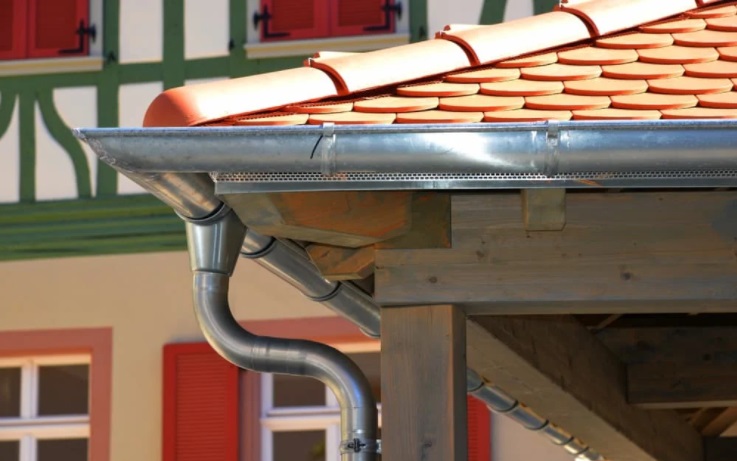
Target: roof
<point>588,60</point>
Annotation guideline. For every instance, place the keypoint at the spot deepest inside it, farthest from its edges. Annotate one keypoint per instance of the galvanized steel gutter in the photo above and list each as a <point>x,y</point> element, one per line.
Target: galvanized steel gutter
<point>173,165</point>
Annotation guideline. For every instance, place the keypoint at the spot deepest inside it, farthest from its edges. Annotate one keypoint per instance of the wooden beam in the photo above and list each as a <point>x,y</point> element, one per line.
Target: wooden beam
<point>621,252</point>
<point>677,367</point>
<point>713,422</point>
<point>555,366</point>
<point>430,224</point>
<point>339,263</point>
<point>350,219</point>
<point>721,449</point>
<point>423,382</point>
<point>544,209</point>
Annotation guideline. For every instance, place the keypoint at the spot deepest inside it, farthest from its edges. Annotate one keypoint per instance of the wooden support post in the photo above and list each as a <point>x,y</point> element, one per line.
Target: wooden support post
<point>423,382</point>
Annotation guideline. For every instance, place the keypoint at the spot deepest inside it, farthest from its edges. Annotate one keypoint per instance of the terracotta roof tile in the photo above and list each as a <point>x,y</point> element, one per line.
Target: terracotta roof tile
<point>616,114</point>
<point>728,24</point>
<point>592,55</point>
<point>522,88</point>
<point>527,115</point>
<point>635,41</point>
<point>715,12</point>
<point>560,72</point>
<point>678,55</point>
<point>700,112</point>
<point>538,59</point>
<point>726,100</point>
<point>642,70</point>
<point>679,25</point>
<point>603,86</point>
<point>653,101</point>
<point>714,69</point>
<point>440,116</point>
<point>607,16</point>
<point>481,102</point>
<point>690,85</point>
<point>393,65</point>
<point>396,104</point>
<point>706,38</point>
<point>542,68</point>
<point>514,38</point>
<point>493,74</point>
<point>567,102</point>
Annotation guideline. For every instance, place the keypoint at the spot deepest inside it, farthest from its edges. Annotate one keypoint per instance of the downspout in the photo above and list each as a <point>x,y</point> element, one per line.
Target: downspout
<point>214,244</point>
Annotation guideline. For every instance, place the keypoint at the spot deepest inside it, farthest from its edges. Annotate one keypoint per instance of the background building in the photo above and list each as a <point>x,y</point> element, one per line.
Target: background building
<point>100,356</point>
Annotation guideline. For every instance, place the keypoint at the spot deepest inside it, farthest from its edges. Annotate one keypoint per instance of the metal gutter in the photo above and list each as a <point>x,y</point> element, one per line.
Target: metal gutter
<point>662,153</point>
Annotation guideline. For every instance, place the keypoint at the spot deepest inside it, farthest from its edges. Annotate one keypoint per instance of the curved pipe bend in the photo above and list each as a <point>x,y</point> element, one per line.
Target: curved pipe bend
<point>214,248</point>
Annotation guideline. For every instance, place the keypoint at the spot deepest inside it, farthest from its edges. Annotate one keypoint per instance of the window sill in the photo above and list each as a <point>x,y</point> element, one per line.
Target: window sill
<point>309,47</point>
<point>50,65</point>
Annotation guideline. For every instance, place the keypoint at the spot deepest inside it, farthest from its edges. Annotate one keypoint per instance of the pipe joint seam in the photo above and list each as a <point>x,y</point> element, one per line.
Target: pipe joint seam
<point>217,214</point>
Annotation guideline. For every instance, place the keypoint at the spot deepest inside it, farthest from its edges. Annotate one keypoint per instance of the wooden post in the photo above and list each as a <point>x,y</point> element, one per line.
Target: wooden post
<point>423,383</point>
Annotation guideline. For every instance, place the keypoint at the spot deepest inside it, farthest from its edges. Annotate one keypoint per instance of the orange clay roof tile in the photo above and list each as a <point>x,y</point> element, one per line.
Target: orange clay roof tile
<point>677,26</point>
<point>671,59</point>
<point>515,38</point>
<point>726,100</point>
<point>608,16</point>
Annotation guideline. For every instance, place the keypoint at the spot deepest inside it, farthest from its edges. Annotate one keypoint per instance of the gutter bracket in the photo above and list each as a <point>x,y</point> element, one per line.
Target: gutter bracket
<point>552,153</point>
<point>326,149</point>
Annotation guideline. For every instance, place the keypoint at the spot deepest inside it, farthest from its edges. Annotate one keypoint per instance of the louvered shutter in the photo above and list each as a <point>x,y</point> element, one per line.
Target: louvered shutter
<point>293,19</point>
<point>53,26</point>
<point>359,17</point>
<point>479,431</point>
<point>201,402</point>
<point>12,25</point>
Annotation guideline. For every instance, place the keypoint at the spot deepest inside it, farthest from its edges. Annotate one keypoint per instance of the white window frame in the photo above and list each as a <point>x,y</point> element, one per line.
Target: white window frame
<point>306,418</point>
<point>92,62</point>
<point>29,427</point>
<point>255,49</point>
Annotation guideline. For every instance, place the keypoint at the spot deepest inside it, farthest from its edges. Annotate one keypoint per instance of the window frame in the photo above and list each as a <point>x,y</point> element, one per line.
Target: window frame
<point>257,49</point>
<point>55,347</point>
<point>91,61</point>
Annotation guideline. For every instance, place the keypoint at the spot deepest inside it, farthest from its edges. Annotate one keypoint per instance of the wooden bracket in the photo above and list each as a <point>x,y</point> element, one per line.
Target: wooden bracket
<point>339,263</point>
<point>544,209</point>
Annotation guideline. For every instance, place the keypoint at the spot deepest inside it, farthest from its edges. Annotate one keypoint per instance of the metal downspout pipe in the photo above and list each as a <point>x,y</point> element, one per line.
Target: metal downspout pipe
<point>214,243</point>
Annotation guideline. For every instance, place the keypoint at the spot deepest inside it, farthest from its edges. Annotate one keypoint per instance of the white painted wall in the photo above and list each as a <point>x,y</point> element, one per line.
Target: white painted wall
<point>141,25</point>
<point>55,177</point>
<point>78,108</point>
<point>10,162</point>
<point>205,28</point>
<point>443,12</point>
<point>517,9</point>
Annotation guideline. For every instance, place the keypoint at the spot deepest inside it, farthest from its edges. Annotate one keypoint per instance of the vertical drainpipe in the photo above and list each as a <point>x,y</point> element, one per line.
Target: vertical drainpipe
<point>214,246</point>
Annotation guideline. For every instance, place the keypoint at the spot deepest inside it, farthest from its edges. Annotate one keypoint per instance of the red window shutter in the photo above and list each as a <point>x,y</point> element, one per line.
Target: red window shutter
<point>479,431</point>
<point>292,19</point>
<point>53,27</point>
<point>201,402</point>
<point>12,29</point>
<point>359,17</point>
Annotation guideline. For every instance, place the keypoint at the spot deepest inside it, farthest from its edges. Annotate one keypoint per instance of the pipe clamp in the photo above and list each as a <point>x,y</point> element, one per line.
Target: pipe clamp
<point>360,446</point>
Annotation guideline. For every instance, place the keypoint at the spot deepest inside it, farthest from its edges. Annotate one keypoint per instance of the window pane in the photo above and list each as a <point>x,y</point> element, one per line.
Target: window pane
<point>295,391</point>
<point>10,450</point>
<point>63,390</point>
<point>62,450</point>
<point>370,364</point>
<point>10,392</point>
<point>299,446</point>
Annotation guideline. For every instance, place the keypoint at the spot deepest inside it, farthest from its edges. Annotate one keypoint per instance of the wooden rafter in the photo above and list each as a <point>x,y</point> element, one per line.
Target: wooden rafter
<point>558,368</point>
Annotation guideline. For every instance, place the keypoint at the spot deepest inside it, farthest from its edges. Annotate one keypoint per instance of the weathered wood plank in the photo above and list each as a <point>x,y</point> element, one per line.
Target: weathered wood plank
<point>423,382</point>
<point>430,224</point>
<point>339,263</point>
<point>674,247</point>
<point>721,449</point>
<point>554,365</point>
<point>349,219</point>
<point>677,367</point>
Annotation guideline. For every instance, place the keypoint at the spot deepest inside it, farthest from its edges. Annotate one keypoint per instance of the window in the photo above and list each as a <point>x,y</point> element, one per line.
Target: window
<point>45,28</point>
<point>300,19</point>
<point>44,408</point>
<point>279,28</point>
